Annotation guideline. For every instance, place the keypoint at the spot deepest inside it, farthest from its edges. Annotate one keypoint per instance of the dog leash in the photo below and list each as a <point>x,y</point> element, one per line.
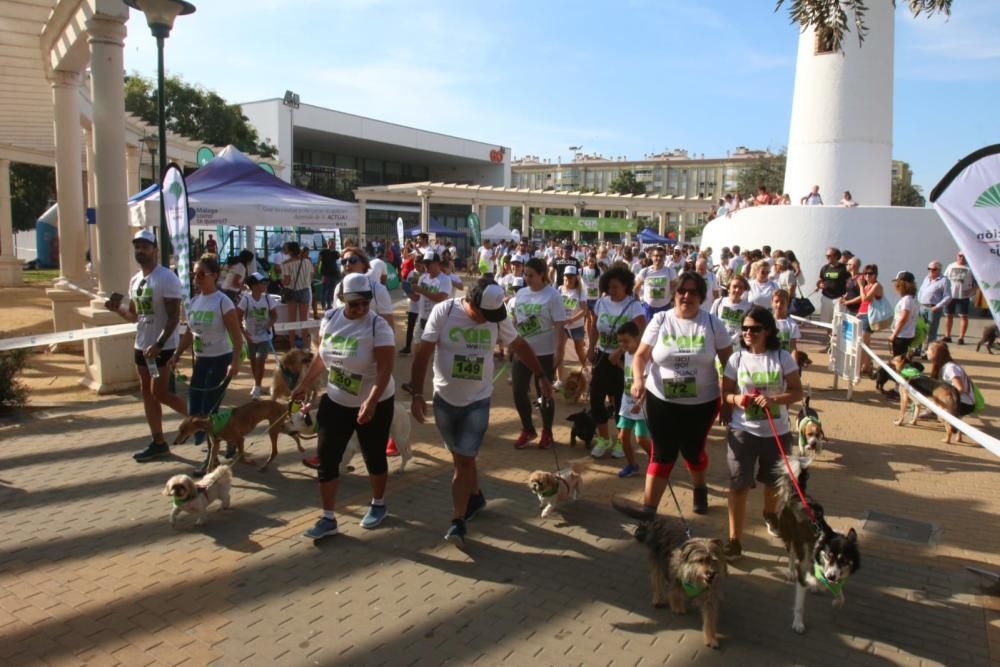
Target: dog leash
<point>791,474</point>
<point>687,527</point>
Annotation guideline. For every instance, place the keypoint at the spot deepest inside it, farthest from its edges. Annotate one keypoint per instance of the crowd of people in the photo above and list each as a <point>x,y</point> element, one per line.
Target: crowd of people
<point>668,341</point>
<point>732,202</point>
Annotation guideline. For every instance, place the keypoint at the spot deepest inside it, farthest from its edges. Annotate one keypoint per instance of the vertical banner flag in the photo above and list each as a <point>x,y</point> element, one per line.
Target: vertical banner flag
<point>399,233</point>
<point>474,231</point>
<point>968,200</point>
<point>336,240</point>
<point>175,205</point>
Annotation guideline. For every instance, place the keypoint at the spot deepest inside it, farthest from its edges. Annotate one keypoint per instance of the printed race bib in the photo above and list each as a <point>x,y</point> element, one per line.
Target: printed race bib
<point>529,327</point>
<point>467,367</point>
<point>680,387</point>
<point>570,303</point>
<point>731,315</point>
<point>592,293</point>
<point>349,382</point>
<point>608,340</point>
<point>754,412</point>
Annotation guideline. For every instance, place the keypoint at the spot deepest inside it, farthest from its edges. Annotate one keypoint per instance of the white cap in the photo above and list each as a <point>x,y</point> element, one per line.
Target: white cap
<point>356,287</point>
<point>569,270</point>
<point>491,303</point>
<point>431,256</point>
<point>146,235</point>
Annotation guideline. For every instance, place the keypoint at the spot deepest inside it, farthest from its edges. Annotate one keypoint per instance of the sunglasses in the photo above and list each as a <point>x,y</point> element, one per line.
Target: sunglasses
<point>353,259</point>
<point>870,273</point>
<point>138,289</point>
<point>754,329</point>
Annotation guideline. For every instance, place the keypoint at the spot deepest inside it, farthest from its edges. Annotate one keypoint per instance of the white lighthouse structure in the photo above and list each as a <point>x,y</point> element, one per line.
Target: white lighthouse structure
<point>840,136</point>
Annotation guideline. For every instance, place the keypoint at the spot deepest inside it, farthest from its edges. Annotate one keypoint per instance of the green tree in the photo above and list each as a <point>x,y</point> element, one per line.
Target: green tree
<point>626,184</point>
<point>905,194</point>
<point>195,112</point>
<point>831,15</point>
<point>31,188</point>
<point>767,170</point>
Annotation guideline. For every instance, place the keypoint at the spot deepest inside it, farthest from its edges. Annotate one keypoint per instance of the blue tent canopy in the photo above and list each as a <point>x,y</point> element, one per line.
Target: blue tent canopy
<point>647,235</point>
<point>437,229</point>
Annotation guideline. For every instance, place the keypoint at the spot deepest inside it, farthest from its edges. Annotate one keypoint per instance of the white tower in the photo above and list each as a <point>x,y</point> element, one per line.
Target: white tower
<point>840,136</point>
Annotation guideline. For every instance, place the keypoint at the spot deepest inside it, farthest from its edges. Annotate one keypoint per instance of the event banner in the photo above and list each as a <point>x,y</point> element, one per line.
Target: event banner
<point>399,232</point>
<point>968,200</point>
<point>475,233</point>
<point>175,206</point>
<point>573,223</point>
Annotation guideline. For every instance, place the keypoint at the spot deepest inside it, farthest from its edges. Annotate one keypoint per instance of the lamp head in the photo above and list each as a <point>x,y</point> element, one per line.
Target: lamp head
<point>160,14</point>
<point>151,142</point>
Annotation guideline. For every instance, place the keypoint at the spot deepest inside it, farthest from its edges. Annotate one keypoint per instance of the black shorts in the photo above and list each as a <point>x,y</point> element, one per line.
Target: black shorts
<point>748,452</point>
<point>678,428</point>
<point>161,359</point>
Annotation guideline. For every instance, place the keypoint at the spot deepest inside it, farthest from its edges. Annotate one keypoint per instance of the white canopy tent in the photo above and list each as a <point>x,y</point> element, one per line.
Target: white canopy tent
<point>498,232</point>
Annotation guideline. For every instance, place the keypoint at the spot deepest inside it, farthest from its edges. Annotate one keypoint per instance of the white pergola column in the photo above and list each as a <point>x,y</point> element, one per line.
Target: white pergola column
<point>69,181</point>
<point>131,169</point>
<point>362,222</point>
<point>577,211</point>
<point>10,265</point>
<point>525,222</point>
<point>91,200</point>
<point>425,211</point>
<point>629,215</point>
<point>681,228</point>
<point>663,223</point>
<point>600,233</point>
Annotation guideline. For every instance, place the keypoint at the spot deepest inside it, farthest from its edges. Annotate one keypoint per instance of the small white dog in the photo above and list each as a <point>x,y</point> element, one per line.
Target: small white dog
<point>195,497</point>
<point>557,488</point>
<point>399,431</point>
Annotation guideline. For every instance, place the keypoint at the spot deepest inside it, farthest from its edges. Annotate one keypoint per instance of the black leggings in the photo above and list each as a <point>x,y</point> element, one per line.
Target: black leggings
<point>606,381</point>
<point>521,376</point>
<point>411,322</point>
<point>678,428</point>
<point>337,423</point>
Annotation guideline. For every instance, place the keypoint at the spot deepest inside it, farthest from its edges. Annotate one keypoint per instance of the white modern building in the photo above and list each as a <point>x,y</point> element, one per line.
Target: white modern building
<point>332,153</point>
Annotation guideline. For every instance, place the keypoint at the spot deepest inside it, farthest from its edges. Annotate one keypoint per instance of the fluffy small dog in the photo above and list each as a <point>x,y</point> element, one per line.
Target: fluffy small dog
<point>584,428</point>
<point>812,439</point>
<point>990,333</point>
<point>682,569</point>
<point>399,431</point>
<point>557,488</point>
<point>575,386</point>
<point>195,497</point>
<point>817,554</point>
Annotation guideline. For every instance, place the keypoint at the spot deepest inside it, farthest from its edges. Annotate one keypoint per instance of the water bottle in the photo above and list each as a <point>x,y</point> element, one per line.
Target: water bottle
<point>154,372</point>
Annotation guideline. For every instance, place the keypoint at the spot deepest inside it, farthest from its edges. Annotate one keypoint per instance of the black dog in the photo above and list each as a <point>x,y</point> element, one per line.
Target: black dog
<point>882,376</point>
<point>584,428</point>
<point>990,334</point>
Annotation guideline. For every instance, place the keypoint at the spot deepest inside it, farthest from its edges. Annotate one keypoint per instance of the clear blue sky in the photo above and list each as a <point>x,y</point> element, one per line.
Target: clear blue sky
<point>623,77</point>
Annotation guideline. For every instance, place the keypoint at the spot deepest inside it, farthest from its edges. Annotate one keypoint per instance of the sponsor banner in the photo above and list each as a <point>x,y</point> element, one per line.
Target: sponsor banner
<point>474,230</point>
<point>175,207</point>
<point>968,200</point>
<point>573,223</point>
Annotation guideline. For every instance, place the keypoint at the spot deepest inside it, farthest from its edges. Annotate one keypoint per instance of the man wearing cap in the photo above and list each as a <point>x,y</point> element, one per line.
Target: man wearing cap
<point>154,305</point>
<point>433,286</point>
<point>559,264</point>
<point>963,287</point>
<point>654,285</point>
<point>517,271</point>
<point>461,335</point>
<point>933,295</point>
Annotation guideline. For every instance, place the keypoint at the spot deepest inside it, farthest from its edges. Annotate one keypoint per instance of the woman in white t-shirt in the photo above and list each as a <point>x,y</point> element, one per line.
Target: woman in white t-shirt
<point>944,368</point>
<point>904,321</point>
<point>760,379</point>
<point>681,388</point>
<point>354,260</point>
<point>356,352</point>
<point>296,279</point>
<point>762,288</point>
<point>258,312</point>
<point>731,308</point>
<point>576,311</point>
<point>540,319</point>
<point>213,333</point>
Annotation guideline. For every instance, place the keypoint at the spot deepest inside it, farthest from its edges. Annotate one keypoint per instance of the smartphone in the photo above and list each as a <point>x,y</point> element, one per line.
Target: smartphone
<point>116,300</point>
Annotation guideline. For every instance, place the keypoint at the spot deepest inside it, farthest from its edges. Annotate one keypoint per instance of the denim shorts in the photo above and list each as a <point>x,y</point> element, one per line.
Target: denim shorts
<point>462,427</point>
<point>258,350</point>
<point>576,334</point>
<point>958,307</point>
<point>299,296</point>
<point>866,327</point>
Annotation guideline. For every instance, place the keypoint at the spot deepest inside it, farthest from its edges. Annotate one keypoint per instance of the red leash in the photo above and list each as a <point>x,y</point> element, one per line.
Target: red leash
<point>788,466</point>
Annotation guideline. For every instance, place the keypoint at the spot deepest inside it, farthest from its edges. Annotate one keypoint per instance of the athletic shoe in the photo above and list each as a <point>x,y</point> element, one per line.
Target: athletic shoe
<point>477,504</point>
<point>557,385</point>
<point>456,532</point>
<point>405,350</point>
<point>771,523</point>
<point>961,341</point>
<point>701,500</point>
<point>546,440</point>
<point>374,516</point>
<point>311,462</point>
<point>617,452</point>
<point>946,339</point>
<point>153,451</point>
<point>732,550</point>
<point>390,448</point>
<point>630,470</point>
<point>255,392</point>
<point>323,528</point>
<point>523,439</point>
<point>601,447</point>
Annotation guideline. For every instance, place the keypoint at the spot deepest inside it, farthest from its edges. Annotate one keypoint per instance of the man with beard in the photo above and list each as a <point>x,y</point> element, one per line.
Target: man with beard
<point>155,305</point>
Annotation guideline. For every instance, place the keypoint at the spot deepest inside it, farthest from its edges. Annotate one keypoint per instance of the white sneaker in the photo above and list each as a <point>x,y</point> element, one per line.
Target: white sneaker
<point>255,392</point>
<point>617,452</point>
<point>557,385</point>
<point>601,447</point>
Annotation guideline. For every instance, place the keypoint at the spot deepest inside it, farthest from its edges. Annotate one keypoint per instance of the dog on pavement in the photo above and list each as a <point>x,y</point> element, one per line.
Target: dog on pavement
<point>195,497</point>
<point>682,569</point>
<point>584,428</point>
<point>817,554</point>
<point>990,333</point>
<point>812,439</point>
<point>575,386</point>
<point>557,488</point>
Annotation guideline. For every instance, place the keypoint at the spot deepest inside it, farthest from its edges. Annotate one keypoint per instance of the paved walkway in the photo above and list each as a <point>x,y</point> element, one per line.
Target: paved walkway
<point>92,573</point>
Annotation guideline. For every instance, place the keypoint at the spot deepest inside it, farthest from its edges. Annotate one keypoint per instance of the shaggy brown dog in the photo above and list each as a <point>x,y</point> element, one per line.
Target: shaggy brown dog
<point>575,386</point>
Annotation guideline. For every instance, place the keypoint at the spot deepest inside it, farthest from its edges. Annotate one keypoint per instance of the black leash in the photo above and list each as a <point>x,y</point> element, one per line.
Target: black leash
<point>687,528</point>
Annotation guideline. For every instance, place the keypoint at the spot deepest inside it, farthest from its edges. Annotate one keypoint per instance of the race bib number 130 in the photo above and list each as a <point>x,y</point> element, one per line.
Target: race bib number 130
<point>348,382</point>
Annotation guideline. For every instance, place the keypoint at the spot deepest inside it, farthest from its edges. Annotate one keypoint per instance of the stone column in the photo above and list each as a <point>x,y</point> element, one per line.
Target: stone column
<point>600,234</point>
<point>10,265</point>
<point>525,222</point>
<point>362,222</point>
<point>577,211</point>
<point>663,224</point>
<point>425,210</point>
<point>629,215</point>
<point>91,191</point>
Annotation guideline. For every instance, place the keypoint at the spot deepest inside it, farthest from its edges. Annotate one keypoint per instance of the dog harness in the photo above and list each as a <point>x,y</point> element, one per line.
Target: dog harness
<point>802,429</point>
<point>180,503</point>
<point>693,590</point>
<point>220,420</point>
<point>834,587</point>
<point>555,489</point>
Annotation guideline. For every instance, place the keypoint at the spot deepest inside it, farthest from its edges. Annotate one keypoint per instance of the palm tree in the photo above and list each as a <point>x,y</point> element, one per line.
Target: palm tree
<point>831,15</point>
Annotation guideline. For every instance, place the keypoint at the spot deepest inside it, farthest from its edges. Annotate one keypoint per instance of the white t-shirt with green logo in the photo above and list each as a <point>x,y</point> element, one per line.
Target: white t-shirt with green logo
<point>347,350</point>
<point>204,316</point>
<point>574,301</point>
<point>610,316</point>
<point>765,373</point>
<point>257,316</point>
<point>683,359</point>
<point>656,285</point>
<point>463,359</point>
<point>590,276</point>
<point>731,315</point>
<point>536,316</point>
<point>788,331</point>
<point>433,285</point>
<point>160,284</point>
<point>627,401</point>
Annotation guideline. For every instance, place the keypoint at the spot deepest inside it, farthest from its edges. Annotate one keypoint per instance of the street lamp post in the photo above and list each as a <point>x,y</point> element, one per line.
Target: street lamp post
<point>160,15</point>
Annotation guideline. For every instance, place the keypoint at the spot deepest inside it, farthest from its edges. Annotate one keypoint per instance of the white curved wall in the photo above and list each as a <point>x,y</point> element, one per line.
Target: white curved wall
<point>894,238</point>
<point>840,136</point>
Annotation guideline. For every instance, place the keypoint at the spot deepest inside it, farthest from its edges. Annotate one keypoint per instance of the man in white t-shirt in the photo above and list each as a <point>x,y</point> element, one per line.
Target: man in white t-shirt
<point>376,268</point>
<point>461,335</point>
<point>484,258</point>
<point>154,295</point>
<point>654,285</point>
<point>963,288</point>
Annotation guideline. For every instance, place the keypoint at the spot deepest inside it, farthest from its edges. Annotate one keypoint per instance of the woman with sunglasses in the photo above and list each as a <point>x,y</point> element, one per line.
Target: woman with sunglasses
<point>354,260</point>
<point>681,388</point>
<point>576,311</point>
<point>761,379</point>
<point>213,333</point>
<point>357,351</point>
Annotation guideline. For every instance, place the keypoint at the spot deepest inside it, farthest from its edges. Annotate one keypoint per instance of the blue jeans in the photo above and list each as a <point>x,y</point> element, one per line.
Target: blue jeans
<point>205,393</point>
<point>933,318</point>
<point>462,427</point>
<point>329,283</point>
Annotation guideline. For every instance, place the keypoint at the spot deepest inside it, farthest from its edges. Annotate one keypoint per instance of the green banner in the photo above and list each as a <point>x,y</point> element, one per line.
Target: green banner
<point>474,231</point>
<point>573,223</point>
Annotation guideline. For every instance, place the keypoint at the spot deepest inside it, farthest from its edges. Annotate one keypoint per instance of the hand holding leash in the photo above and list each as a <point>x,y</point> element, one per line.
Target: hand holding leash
<point>546,388</point>
<point>418,408</point>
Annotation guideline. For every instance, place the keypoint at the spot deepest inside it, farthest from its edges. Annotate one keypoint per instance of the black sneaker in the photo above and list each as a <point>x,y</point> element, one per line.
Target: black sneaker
<point>152,452</point>
<point>404,350</point>
<point>771,523</point>
<point>476,504</point>
<point>732,550</point>
<point>946,339</point>
<point>456,533</point>
<point>701,500</point>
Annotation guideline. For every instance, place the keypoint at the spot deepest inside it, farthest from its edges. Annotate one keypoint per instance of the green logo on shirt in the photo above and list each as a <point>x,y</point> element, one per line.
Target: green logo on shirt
<point>759,378</point>
<point>692,344</point>
<point>342,346</point>
<point>203,317</point>
<point>144,302</point>
<point>473,336</point>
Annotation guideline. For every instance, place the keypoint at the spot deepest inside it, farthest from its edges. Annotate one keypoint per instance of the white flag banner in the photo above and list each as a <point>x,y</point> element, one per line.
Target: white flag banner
<point>175,206</point>
<point>399,232</point>
<point>968,200</point>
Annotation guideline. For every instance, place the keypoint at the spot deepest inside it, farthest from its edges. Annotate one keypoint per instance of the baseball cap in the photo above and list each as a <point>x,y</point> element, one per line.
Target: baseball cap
<point>517,259</point>
<point>905,275</point>
<point>569,270</point>
<point>146,235</point>
<point>356,287</point>
<point>487,296</point>
<point>256,277</point>
<point>431,256</point>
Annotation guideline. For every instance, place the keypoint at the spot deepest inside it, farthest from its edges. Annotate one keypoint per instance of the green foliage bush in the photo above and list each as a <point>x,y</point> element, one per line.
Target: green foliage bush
<point>12,392</point>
